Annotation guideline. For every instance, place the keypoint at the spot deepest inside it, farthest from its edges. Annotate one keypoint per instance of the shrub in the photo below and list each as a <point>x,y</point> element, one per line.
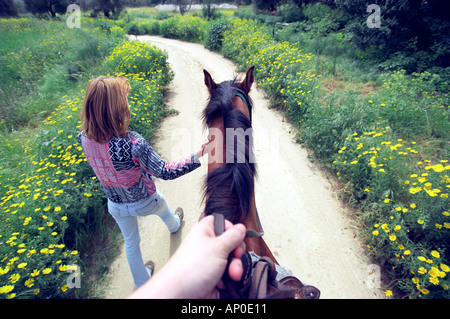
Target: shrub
<point>405,199</point>
<point>187,28</point>
<point>135,57</point>
<point>150,27</point>
<point>290,12</point>
<point>117,32</point>
<point>168,28</point>
<point>210,12</point>
<point>282,68</point>
<point>214,35</point>
<point>383,150</point>
<point>134,29</point>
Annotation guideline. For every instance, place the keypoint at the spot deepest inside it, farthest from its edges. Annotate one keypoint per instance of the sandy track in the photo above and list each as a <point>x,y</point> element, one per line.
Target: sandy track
<point>305,225</point>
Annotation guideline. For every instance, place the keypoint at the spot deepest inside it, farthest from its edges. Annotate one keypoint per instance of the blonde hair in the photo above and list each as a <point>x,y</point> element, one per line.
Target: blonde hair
<point>105,111</point>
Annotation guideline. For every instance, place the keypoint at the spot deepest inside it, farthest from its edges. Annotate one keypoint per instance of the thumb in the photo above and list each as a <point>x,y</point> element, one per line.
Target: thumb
<point>232,238</point>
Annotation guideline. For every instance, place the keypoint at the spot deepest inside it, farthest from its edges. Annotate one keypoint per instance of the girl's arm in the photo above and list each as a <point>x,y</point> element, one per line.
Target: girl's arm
<point>146,157</point>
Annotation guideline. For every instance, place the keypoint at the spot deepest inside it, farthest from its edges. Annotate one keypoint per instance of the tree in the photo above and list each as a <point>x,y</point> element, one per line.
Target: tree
<point>183,5</point>
<point>43,6</point>
<point>110,8</point>
<point>270,5</point>
<point>7,8</point>
<point>417,32</point>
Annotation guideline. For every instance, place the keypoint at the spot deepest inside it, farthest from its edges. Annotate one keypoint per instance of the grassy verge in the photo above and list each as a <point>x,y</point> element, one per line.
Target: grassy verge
<point>40,59</point>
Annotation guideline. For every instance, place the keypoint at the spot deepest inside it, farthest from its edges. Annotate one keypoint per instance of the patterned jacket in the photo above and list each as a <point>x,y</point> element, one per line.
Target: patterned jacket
<point>125,166</point>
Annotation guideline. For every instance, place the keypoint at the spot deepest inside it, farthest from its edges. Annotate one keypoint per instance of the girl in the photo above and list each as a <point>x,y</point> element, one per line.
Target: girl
<point>124,163</point>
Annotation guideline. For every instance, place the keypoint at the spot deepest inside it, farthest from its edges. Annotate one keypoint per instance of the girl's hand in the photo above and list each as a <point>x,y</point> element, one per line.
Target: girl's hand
<point>201,151</point>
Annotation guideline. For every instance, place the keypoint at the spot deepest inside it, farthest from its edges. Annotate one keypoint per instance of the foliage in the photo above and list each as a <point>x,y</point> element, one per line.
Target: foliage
<point>7,8</point>
<point>188,28</point>
<point>405,198</point>
<point>290,12</point>
<point>43,6</point>
<point>281,68</point>
<point>214,35</point>
<point>41,57</point>
<point>110,8</point>
<point>390,151</point>
<point>265,4</point>
<point>414,35</point>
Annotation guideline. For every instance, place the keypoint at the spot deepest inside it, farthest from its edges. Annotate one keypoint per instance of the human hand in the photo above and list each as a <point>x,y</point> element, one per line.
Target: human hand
<point>196,268</point>
<point>201,151</point>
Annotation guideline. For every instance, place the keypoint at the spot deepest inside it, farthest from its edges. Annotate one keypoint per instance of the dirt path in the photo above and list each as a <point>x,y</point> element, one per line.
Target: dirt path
<point>305,225</point>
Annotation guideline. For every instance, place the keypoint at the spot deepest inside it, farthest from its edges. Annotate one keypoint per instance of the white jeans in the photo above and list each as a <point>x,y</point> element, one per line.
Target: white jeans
<point>126,216</point>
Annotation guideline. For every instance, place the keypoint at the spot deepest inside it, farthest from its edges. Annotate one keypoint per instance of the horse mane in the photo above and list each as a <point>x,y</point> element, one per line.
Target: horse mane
<point>229,188</point>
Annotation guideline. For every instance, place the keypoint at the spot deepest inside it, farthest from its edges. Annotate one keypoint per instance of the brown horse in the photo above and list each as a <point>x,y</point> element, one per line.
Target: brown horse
<point>229,187</point>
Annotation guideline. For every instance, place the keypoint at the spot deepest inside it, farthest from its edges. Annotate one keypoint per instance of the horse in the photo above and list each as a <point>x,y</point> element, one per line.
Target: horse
<point>230,183</point>
<point>229,189</point>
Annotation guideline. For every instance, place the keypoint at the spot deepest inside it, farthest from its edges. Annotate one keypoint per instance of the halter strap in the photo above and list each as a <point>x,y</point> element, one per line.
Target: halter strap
<point>242,96</point>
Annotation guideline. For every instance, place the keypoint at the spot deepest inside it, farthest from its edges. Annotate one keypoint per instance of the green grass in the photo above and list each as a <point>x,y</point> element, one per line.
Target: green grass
<point>39,61</point>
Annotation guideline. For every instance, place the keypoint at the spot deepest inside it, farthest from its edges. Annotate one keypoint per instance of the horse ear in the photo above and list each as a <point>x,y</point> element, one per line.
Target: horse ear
<point>248,81</point>
<point>209,82</point>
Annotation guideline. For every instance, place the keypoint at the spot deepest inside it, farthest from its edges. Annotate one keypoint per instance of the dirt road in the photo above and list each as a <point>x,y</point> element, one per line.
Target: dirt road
<point>305,225</point>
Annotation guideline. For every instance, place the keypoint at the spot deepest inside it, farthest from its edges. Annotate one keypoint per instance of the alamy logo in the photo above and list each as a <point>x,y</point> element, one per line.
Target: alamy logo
<point>374,20</point>
<point>74,278</point>
<point>74,19</point>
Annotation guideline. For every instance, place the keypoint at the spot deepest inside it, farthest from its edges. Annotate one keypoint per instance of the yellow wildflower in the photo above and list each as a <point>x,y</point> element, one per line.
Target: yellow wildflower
<point>46,271</point>
<point>445,268</point>
<point>14,278</point>
<point>434,280</point>
<point>29,283</point>
<point>5,289</point>
<point>422,270</point>
<point>435,254</point>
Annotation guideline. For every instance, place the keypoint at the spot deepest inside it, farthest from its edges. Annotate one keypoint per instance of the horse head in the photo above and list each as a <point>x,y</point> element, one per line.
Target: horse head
<point>231,165</point>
